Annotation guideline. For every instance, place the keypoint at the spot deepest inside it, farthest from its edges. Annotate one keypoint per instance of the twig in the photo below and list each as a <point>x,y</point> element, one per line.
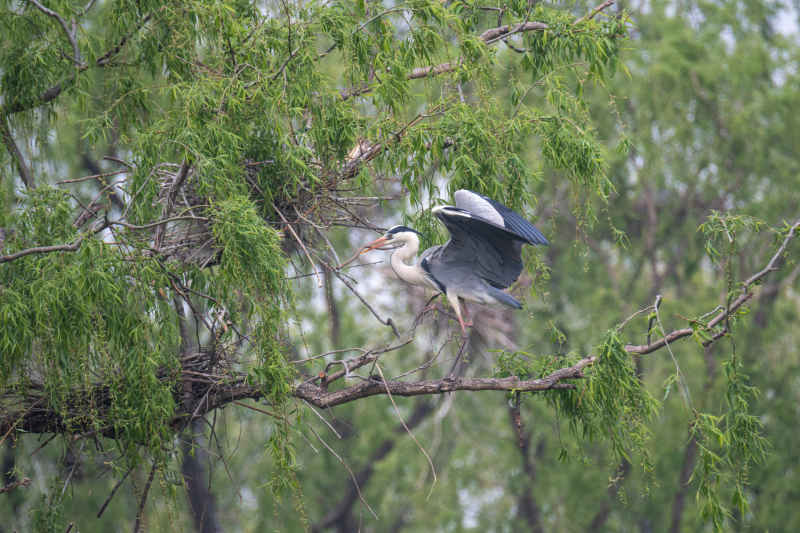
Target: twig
<point>400,417</point>
<point>120,161</point>
<point>257,409</point>
<point>387,322</point>
<point>92,177</point>
<point>113,491</point>
<point>593,13</point>
<point>349,471</point>
<point>655,307</point>
<point>45,443</point>
<point>300,242</point>
<point>681,378</point>
<point>333,429</point>
<point>72,471</point>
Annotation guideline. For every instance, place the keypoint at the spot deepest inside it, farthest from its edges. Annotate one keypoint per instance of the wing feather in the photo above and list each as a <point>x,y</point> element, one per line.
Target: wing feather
<point>486,240</point>
<point>498,214</point>
<point>476,247</point>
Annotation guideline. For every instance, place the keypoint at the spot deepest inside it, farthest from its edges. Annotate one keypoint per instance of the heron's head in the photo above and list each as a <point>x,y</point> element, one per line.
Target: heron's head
<point>395,237</point>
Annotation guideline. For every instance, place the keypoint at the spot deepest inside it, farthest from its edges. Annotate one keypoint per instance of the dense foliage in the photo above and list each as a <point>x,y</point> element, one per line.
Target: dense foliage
<point>179,182</point>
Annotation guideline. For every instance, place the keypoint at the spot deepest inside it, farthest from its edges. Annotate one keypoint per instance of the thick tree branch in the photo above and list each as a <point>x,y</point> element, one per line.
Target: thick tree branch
<point>322,399</point>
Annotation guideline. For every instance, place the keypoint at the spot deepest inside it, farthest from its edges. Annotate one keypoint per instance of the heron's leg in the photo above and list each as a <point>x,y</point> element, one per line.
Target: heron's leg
<point>467,321</point>
<point>453,299</point>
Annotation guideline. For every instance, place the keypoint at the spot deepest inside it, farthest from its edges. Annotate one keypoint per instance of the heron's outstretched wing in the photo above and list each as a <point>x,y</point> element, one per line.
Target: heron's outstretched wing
<point>499,215</point>
<point>485,242</point>
<point>476,249</point>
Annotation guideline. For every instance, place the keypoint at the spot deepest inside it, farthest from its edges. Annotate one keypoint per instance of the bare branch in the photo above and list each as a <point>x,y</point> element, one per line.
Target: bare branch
<point>593,13</point>
<point>72,247</point>
<point>349,471</point>
<point>400,417</point>
<point>339,513</point>
<point>113,492</point>
<point>76,244</point>
<point>387,322</point>
<point>322,399</point>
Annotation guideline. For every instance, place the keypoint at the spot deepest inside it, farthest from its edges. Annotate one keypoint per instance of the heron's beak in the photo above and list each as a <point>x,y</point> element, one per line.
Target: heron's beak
<point>377,244</point>
<point>374,245</point>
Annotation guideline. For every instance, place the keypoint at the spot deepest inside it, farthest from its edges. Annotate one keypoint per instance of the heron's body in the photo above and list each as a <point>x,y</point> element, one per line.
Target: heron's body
<point>482,257</point>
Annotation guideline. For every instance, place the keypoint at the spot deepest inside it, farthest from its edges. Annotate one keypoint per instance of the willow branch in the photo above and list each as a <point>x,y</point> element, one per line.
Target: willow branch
<point>53,92</point>
<point>745,295</point>
<point>593,13</point>
<point>72,247</point>
<point>318,397</point>
<point>489,37</point>
<point>76,58</point>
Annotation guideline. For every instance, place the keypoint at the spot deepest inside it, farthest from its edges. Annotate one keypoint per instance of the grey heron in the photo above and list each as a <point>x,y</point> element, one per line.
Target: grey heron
<point>482,257</point>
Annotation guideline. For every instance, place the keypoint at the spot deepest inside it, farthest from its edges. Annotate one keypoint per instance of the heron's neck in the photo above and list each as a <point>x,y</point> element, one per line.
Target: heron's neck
<point>408,273</point>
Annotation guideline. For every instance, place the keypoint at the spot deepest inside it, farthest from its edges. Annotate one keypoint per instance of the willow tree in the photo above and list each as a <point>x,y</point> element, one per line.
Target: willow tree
<point>225,142</point>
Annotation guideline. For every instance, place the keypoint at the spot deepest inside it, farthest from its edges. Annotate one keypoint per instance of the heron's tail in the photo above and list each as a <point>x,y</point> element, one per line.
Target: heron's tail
<point>504,298</point>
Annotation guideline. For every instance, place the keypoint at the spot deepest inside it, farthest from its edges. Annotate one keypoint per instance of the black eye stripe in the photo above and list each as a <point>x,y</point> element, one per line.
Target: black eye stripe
<point>400,229</point>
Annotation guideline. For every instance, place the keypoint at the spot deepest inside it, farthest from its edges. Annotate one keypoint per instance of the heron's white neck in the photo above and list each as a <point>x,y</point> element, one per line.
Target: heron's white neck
<point>409,273</point>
